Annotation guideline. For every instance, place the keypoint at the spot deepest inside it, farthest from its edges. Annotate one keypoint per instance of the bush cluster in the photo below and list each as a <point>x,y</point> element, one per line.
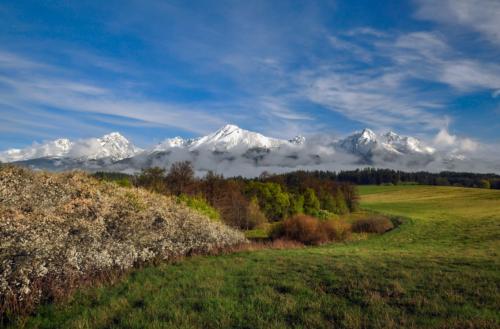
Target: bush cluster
<point>311,231</point>
<point>58,228</point>
<point>375,224</point>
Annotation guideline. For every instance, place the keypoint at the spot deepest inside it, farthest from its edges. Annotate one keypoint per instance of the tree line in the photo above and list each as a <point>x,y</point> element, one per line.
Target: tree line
<point>246,203</point>
<point>372,176</point>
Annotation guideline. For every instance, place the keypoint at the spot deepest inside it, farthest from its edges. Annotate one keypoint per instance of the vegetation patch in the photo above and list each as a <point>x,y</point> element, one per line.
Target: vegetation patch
<point>437,270</point>
<point>311,231</point>
<point>374,224</point>
<point>58,230</point>
<point>199,204</point>
<point>247,203</point>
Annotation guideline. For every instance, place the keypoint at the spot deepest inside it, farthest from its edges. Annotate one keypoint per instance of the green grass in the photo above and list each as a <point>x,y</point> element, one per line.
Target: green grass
<point>439,269</point>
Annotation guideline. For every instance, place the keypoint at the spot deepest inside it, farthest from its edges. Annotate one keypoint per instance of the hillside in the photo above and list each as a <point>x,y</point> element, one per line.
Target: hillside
<point>437,270</point>
<point>57,230</point>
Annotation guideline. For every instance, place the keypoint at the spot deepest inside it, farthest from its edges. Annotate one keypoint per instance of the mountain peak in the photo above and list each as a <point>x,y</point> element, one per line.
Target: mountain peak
<point>227,130</point>
<point>368,134</point>
<point>229,127</point>
<point>233,137</point>
<point>116,146</point>
<point>113,135</point>
<point>391,136</point>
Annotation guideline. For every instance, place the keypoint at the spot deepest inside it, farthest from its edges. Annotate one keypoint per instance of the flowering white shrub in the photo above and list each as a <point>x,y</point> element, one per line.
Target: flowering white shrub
<point>59,226</point>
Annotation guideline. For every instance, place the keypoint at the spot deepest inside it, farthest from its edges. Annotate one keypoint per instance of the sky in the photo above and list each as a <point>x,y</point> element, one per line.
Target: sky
<point>154,69</point>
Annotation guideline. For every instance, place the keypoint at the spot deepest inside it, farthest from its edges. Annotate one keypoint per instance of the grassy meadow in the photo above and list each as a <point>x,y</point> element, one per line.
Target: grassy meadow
<point>439,269</point>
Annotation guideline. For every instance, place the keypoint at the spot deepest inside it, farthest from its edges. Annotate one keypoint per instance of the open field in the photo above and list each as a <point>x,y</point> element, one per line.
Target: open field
<point>439,269</point>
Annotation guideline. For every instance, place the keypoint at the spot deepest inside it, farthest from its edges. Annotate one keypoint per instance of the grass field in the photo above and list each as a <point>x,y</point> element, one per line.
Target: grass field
<point>439,269</point>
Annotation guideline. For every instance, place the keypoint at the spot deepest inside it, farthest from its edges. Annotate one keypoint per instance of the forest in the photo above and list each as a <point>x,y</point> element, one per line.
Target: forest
<point>247,203</point>
<point>374,176</point>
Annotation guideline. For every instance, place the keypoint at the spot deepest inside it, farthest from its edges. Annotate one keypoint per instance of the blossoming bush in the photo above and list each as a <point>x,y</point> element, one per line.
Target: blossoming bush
<point>58,229</point>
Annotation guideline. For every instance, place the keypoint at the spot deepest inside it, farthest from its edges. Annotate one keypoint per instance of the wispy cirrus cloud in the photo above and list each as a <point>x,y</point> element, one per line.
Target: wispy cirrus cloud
<point>392,94</point>
<point>482,16</point>
<point>28,87</point>
<point>268,66</point>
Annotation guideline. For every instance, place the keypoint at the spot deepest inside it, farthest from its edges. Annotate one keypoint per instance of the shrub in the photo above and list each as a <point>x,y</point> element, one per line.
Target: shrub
<point>483,183</point>
<point>336,230</point>
<point>326,215</point>
<point>124,182</point>
<point>254,216</point>
<point>377,224</point>
<point>310,230</point>
<point>199,204</point>
<point>60,229</point>
<point>304,229</point>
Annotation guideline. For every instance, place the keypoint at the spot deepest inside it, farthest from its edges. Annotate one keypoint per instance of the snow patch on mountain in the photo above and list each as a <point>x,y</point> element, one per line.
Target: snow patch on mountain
<point>112,145</point>
<point>229,138</point>
<point>232,137</point>
<point>367,143</point>
<point>232,150</point>
<point>55,148</point>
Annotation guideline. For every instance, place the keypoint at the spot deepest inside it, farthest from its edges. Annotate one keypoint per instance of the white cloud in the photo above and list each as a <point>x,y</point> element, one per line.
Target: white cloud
<point>469,75</point>
<point>367,31</point>
<point>482,16</point>
<point>43,86</point>
<point>274,68</point>
<point>444,140</point>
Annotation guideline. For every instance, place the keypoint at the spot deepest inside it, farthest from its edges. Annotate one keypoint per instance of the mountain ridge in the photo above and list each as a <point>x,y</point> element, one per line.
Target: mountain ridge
<point>112,145</point>
<point>230,147</point>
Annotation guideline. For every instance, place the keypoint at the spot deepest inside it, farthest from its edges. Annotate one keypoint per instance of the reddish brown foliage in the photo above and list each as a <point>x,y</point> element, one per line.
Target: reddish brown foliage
<point>310,230</point>
<point>378,224</point>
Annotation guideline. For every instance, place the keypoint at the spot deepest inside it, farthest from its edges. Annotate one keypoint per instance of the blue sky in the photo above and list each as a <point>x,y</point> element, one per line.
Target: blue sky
<point>156,69</point>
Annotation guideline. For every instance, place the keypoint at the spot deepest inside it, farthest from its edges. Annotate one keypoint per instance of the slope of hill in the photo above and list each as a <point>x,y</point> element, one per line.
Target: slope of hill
<point>439,269</point>
<point>58,229</point>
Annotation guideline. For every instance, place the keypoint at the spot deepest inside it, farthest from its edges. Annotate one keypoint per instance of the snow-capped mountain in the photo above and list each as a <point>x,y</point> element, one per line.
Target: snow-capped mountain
<point>229,138</point>
<point>404,144</point>
<point>169,143</point>
<point>362,143</point>
<point>113,146</point>
<point>368,144</point>
<point>234,151</point>
<point>55,148</point>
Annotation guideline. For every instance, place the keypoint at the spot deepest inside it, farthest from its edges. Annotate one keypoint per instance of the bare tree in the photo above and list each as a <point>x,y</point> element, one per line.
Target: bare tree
<point>180,177</point>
